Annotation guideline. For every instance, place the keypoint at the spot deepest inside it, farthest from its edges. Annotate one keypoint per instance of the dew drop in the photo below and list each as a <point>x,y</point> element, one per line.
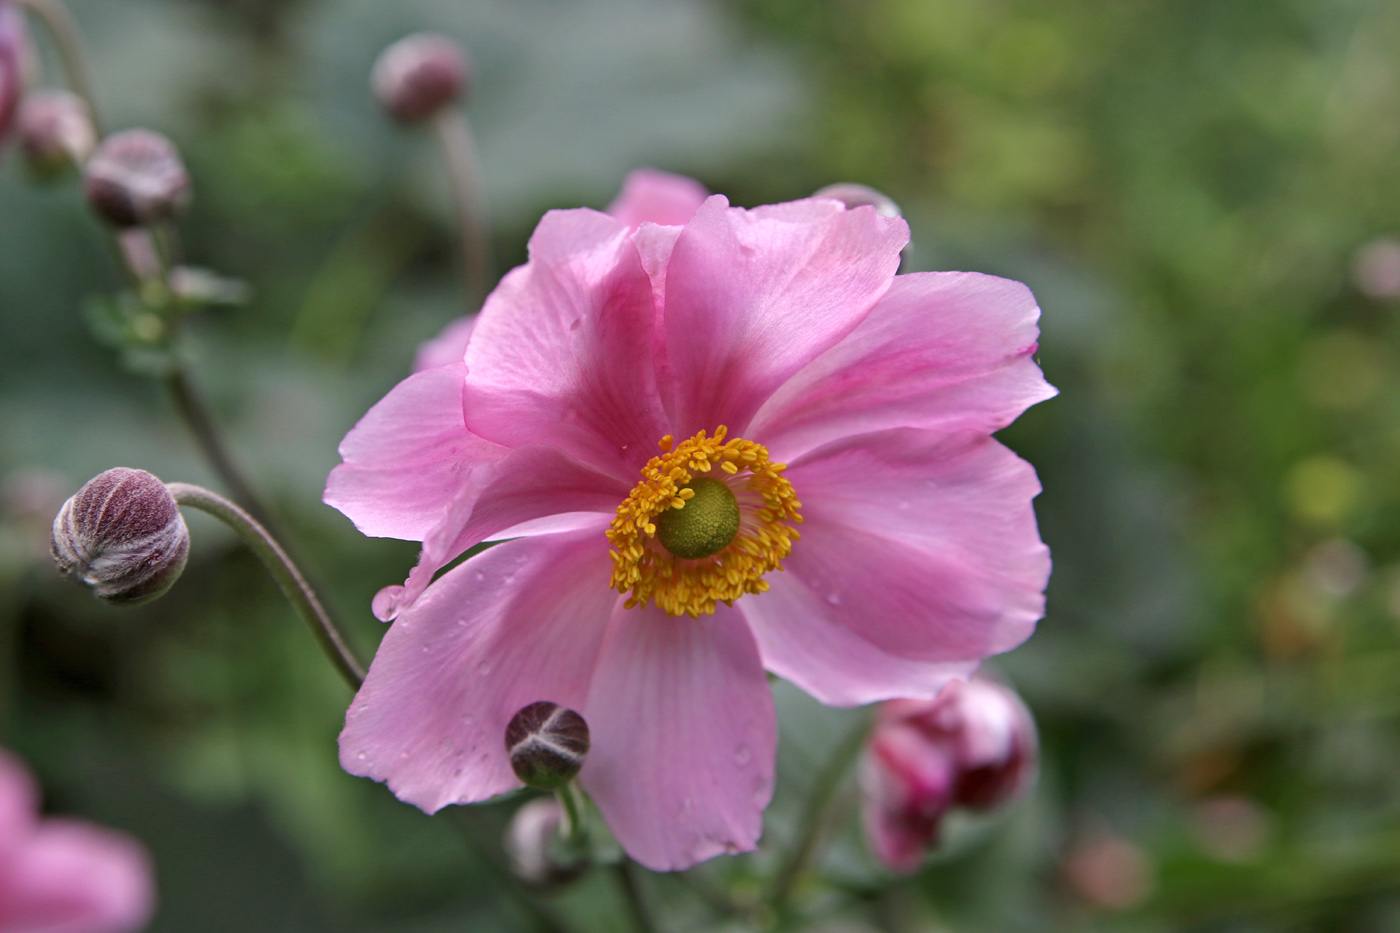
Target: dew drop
<point>834,598</point>
<point>742,756</point>
<point>484,668</point>
<point>361,756</point>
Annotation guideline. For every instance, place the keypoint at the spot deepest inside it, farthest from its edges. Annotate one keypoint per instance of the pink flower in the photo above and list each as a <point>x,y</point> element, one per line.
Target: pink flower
<point>12,51</point>
<point>65,876</point>
<point>972,746</point>
<point>710,384</point>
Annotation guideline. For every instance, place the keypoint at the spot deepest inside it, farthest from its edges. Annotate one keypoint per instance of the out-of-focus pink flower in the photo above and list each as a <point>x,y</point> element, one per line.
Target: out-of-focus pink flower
<point>65,876</point>
<point>648,196</point>
<point>649,412</point>
<point>12,52</point>
<point>973,746</point>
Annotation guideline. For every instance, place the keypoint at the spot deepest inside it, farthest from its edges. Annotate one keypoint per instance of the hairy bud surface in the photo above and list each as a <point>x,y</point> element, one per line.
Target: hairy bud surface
<point>547,745</point>
<point>419,75</point>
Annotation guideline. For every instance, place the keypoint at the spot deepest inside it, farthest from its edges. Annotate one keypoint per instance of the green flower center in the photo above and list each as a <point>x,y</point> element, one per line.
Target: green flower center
<point>704,525</point>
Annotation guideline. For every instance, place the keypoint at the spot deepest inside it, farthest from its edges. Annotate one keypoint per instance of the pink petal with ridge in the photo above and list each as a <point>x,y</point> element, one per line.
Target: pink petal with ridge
<point>951,350</point>
<point>409,457</point>
<point>684,736</point>
<point>71,877</point>
<point>19,802</point>
<point>655,197</point>
<point>923,546</point>
<point>449,346</point>
<point>752,296</point>
<point>520,622</point>
<point>561,353</point>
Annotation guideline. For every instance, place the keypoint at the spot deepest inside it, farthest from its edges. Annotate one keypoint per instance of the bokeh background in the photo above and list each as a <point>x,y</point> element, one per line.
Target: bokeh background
<point>1202,196</point>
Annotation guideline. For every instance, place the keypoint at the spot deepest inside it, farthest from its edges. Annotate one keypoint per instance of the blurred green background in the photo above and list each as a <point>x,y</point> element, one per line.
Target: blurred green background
<point>1202,196</point>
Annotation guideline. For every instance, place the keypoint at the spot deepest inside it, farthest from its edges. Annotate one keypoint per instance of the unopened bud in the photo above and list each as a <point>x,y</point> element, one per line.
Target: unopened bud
<point>547,744</point>
<point>55,132</point>
<point>853,196</point>
<point>122,534</point>
<point>535,847</point>
<point>12,55</point>
<point>419,75</point>
<point>136,177</point>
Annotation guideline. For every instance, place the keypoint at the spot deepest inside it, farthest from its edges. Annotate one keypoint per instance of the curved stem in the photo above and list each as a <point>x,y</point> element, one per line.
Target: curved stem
<point>627,880</point>
<point>464,173</point>
<point>288,577</point>
<point>68,41</point>
<point>814,815</point>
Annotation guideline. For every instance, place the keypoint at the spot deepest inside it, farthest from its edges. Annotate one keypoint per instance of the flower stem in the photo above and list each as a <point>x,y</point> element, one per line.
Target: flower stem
<point>288,577</point>
<point>814,818</point>
<point>68,41</point>
<point>454,136</point>
<point>626,871</point>
<point>569,798</point>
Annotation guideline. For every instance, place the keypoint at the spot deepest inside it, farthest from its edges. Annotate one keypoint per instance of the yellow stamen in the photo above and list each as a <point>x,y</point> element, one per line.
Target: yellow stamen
<point>768,510</point>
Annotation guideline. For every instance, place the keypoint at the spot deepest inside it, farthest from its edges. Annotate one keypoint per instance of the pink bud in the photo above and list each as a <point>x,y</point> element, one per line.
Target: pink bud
<point>418,76</point>
<point>535,848</point>
<point>12,45</point>
<point>55,131</point>
<point>136,177</point>
<point>122,534</point>
<point>973,746</point>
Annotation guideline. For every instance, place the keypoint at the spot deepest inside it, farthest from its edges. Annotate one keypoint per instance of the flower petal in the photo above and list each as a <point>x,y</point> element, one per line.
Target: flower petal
<point>951,350</point>
<point>921,546</point>
<point>684,736</point>
<point>654,197</point>
<point>518,623</point>
<point>408,457</point>
<point>561,352</point>
<point>449,346</point>
<point>19,802</point>
<point>72,877</point>
<point>752,296</point>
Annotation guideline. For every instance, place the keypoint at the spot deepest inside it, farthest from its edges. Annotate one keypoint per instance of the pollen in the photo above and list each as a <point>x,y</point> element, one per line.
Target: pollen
<point>740,527</point>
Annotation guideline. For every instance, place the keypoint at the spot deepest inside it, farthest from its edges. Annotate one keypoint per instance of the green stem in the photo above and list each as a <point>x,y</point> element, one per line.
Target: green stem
<point>632,896</point>
<point>68,41</point>
<point>814,816</point>
<point>569,798</point>
<point>288,577</point>
<point>464,173</point>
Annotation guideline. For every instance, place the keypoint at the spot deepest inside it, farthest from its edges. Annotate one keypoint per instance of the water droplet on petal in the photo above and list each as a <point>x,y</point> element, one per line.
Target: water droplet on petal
<point>834,598</point>
<point>484,668</point>
<point>742,756</point>
<point>361,756</point>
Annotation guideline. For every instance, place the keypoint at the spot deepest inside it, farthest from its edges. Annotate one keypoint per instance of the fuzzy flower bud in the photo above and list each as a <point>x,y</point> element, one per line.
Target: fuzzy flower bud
<point>547,744</point>
<point>973,746</point>
<point>418,76</point>
<point>55,132</point>
<point>12,52</point>
<point>122,534</point>
<point>136,177</point>
<point>535,848</point>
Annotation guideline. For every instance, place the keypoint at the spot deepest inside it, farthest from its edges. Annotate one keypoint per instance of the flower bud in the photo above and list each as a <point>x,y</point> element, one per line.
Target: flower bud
<point>55,132</point>
<point>973,746</point>
<point>12,54</point>
<point>853,196</point>
<point>136,177</point>
<point>535,848</point>
<point>122,534</point>
<point>418,76</point>
<point>547,744</point>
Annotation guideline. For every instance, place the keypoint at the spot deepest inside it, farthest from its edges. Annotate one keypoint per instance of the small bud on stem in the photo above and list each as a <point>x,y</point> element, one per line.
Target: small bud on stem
<point>136,177</point>
<point>418,76</point>
<point>55,132</point>
<point>122,534</point>
<point>547,744</point>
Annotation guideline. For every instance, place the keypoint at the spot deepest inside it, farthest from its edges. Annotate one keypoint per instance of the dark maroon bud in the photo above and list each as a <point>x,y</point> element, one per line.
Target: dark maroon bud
<point>55,132</point>
<point>853,196</point>
<point>547,745</point>
<point>418,76</point>
<point>122,534</point>
<point>136,177</point>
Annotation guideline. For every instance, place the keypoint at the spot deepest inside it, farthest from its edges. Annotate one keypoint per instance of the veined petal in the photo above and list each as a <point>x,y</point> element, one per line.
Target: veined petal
<point>449,346</point>
<point>946,350</point>
<point>561,353</point>
<point>649,196</point>
<point>71,877</point>
<point>684,736</point>
<point>752,296</point>
<point>518,623</point>
<point>408,457</point>
<point>920,545</point>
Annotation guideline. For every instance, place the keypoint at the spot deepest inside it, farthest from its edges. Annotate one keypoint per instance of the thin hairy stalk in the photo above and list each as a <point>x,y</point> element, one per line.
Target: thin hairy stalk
<point>69,44</point>
<point>626,871</point>
<point>454,135</point>
<point>288,577</point>
<point>814,819</point>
